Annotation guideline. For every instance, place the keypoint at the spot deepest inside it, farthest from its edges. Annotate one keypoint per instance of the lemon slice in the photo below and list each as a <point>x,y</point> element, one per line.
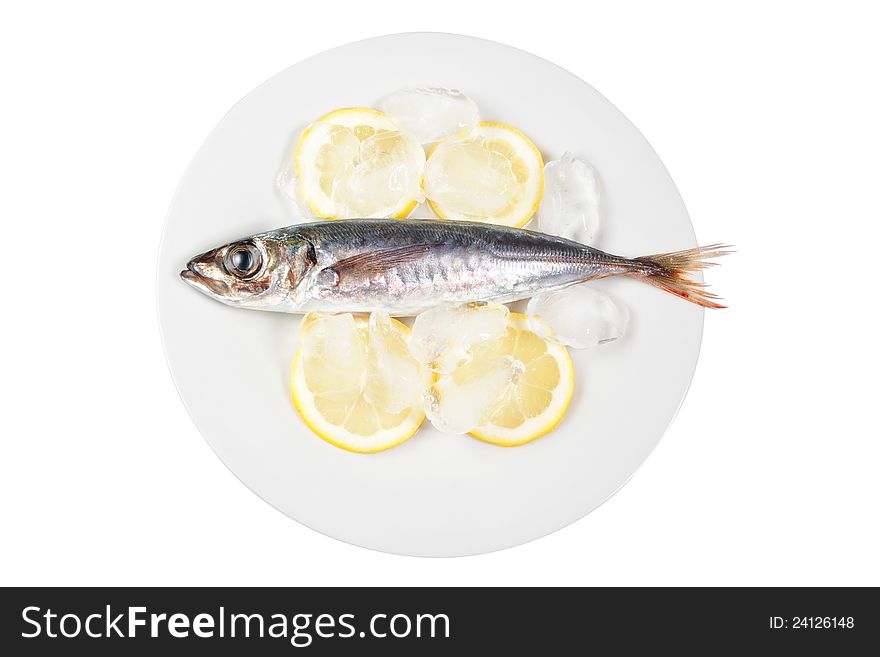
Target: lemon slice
<point>494,174</point>
<point>355,383</point>
<point>536,398</point>
<point>354,162</point>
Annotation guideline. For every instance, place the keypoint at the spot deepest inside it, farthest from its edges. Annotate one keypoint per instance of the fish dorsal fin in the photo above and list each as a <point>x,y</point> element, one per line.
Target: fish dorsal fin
<point>377,262</point>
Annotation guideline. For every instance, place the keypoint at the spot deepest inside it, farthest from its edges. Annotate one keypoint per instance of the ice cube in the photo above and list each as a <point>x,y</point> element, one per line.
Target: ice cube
<point>395,380</point>
<point>577,316</point>
<point>335,338</point>
<point>458,407</point>
<point>444,337</point>
<point>388,167</point>
<point>287,186</point>
<point>471,179</point>
<point>570,207</point>
<point>431,114</point>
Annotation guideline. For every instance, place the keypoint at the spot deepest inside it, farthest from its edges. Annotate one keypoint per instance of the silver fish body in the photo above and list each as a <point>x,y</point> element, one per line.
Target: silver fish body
<point>453,262</point>
<point>404,267</point>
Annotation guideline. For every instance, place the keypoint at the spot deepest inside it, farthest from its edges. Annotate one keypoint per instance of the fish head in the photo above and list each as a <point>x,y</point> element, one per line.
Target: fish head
<point>256,272</point>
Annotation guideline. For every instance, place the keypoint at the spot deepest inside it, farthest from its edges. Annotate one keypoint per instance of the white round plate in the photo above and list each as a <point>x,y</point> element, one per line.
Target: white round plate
<point>435,495</point>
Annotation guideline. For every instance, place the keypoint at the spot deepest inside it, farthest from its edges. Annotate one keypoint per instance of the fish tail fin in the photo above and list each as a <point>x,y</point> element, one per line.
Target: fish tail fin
<point>670,272</point>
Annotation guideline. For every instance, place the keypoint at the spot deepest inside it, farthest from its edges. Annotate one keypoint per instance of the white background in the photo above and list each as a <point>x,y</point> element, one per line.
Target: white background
<point>766,115</point>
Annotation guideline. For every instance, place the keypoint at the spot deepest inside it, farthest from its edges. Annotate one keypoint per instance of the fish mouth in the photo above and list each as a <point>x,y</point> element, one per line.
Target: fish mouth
<point>202,283</point>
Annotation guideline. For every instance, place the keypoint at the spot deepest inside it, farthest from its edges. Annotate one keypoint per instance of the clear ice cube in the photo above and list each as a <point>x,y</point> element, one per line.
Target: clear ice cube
<point>348,350</point>
<point>444,337</point>
<point>578,316</point>
<point>395,380</point>
<point>431,114</point>
<point>457,408</point>
<point>570,207</point>
<point>470,179</point>
<point>388,167</point>
<point>288,188</point>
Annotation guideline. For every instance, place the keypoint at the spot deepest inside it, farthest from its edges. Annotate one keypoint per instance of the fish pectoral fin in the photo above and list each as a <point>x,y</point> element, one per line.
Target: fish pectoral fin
<point>327,277</point>
<point>377,262</point>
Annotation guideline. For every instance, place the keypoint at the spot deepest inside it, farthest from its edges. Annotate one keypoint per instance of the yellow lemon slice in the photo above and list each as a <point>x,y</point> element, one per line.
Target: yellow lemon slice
<point>536,398</point>
<point>354,162</point>
<point>354,382</point>
<point>494,174</point>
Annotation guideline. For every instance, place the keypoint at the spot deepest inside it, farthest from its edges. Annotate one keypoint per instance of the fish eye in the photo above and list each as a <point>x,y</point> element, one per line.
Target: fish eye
<point>243,260</point>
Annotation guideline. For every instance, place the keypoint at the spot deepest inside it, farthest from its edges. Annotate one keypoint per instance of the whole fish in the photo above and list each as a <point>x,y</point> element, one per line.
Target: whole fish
<point>404,267</point>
